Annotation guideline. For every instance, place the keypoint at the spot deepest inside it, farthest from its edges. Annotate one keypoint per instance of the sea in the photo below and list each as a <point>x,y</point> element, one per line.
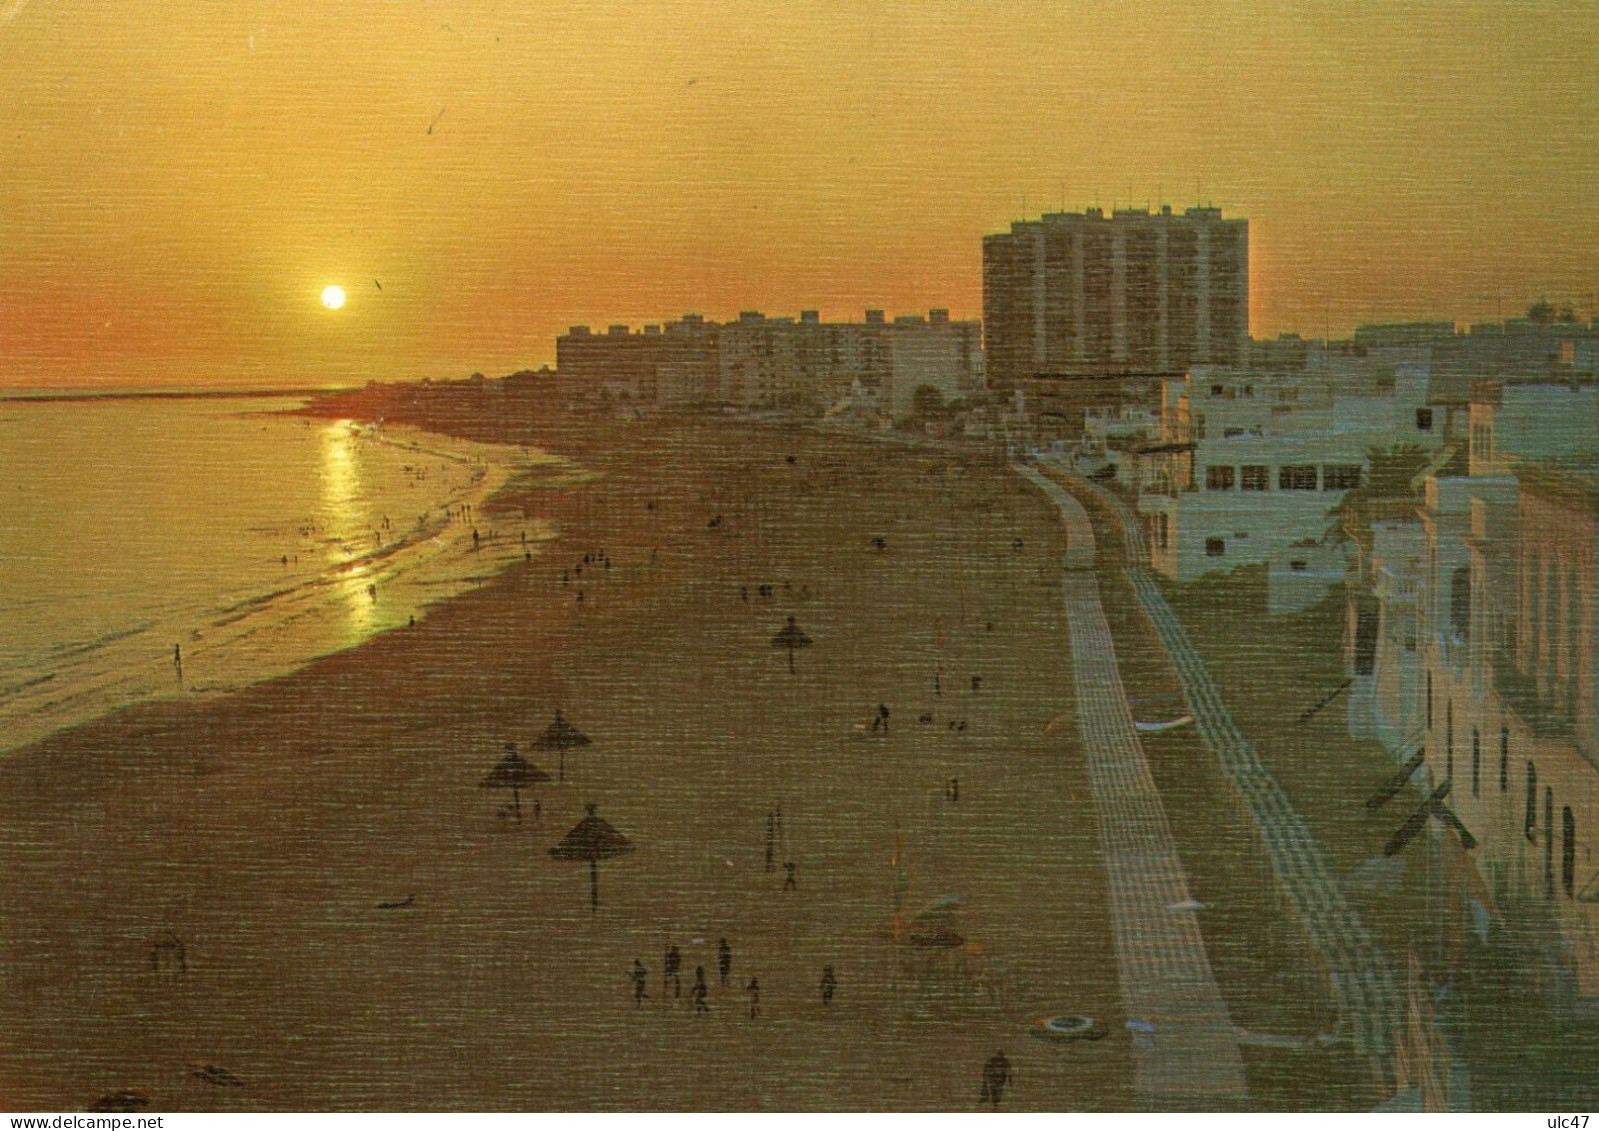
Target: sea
<point>176,547</point>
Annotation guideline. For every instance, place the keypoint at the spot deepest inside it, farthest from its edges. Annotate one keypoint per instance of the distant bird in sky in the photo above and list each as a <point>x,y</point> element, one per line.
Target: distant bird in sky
<point>377,284</point>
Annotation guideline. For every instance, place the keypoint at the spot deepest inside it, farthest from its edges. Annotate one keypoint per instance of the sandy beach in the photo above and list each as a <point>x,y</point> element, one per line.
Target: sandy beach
<point>264,829</point>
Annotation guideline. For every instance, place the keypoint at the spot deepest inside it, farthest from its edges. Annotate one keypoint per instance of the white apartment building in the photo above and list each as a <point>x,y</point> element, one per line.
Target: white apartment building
<point>1248,466</point>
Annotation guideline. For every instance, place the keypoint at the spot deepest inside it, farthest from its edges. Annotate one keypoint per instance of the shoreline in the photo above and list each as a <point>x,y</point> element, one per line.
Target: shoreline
<point>69,685</point>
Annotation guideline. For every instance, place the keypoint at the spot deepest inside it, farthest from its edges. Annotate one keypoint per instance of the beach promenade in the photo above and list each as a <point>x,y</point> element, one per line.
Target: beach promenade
<point>1187,1055</point>
<point>1359,972</point>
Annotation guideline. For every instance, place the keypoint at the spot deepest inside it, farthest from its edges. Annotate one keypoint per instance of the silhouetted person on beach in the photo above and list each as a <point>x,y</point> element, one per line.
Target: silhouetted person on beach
<point>771,835</point>
<point>953,789</point>
<point>788,882</point>
<point>996,1074</point>
<point>724,960</point>
<point>699,991</point>
<point>754,992</point>
<point>882,713</point>
<point>829,984</point>
<point>475,539</point>
<point>674,962</point>
<point>640,977</point>
<point>977,682</point>
<point>177,660</point>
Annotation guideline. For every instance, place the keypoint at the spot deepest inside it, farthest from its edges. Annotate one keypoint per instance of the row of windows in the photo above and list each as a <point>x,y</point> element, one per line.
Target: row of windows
<point>1568,820</point>
<point>1290,477</point>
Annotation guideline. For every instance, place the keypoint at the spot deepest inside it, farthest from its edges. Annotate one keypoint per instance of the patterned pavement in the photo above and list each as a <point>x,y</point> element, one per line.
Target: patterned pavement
<point>1188,1055</point>
<point>1358,971</point>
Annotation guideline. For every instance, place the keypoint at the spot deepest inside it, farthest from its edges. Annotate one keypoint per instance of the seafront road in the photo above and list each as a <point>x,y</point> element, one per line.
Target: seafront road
<point>1187,1045</point>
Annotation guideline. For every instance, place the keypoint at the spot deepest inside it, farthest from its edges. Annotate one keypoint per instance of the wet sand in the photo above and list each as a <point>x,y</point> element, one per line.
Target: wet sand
<point>265,828</point>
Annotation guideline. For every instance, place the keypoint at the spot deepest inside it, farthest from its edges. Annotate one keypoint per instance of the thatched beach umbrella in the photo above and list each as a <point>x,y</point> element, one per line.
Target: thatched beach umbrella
<point>592,839</point>
<point>561,736</point>
<point>514,773</point>
<point>791,637</point>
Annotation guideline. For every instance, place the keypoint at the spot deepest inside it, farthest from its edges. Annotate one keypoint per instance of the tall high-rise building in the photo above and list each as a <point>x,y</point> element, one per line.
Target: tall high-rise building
<point>1079,293</point>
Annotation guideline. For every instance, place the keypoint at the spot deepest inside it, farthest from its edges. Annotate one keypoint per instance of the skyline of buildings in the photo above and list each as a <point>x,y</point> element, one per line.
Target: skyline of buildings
<point>758,363</point>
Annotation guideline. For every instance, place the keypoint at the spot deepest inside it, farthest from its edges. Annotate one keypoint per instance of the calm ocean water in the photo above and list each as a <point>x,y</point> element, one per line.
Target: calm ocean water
<point>252,541</point>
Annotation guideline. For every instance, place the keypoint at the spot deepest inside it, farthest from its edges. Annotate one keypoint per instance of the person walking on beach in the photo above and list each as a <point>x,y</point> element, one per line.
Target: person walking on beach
<point>177,666</point>
<point>829,984</point>
<point>674,962</point>
<point>700,990</point>
<point>724,960</point>
<point>771,837</point>
<point>788,881</point>
<point>996,1074</point>
<point>754,992</point>
<point>640,977</point>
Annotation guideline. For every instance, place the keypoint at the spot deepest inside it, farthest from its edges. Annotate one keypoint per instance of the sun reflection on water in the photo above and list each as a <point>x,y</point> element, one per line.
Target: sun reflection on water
<point>343,498</point>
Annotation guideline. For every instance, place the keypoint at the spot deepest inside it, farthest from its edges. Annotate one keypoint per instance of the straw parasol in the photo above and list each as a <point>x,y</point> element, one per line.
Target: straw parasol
<point>560,736</point>
<point>791,637</point>
<point>592,839</point>
<point>514,773</point>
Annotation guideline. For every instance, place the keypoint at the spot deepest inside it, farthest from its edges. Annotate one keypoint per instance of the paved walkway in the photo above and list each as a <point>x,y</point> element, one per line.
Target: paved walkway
<point>1359,971</point>
<point>1189,1059</point>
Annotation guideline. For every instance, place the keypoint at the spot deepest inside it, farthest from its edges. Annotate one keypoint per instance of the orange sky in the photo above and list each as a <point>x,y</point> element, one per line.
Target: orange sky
<point>178,181</point>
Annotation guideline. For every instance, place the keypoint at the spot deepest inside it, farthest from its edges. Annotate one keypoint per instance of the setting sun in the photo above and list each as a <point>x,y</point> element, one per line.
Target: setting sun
<point>333,297</point>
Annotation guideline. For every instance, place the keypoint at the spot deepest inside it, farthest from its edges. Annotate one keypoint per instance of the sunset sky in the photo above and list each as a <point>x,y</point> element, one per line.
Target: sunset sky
<point>179,181</point>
